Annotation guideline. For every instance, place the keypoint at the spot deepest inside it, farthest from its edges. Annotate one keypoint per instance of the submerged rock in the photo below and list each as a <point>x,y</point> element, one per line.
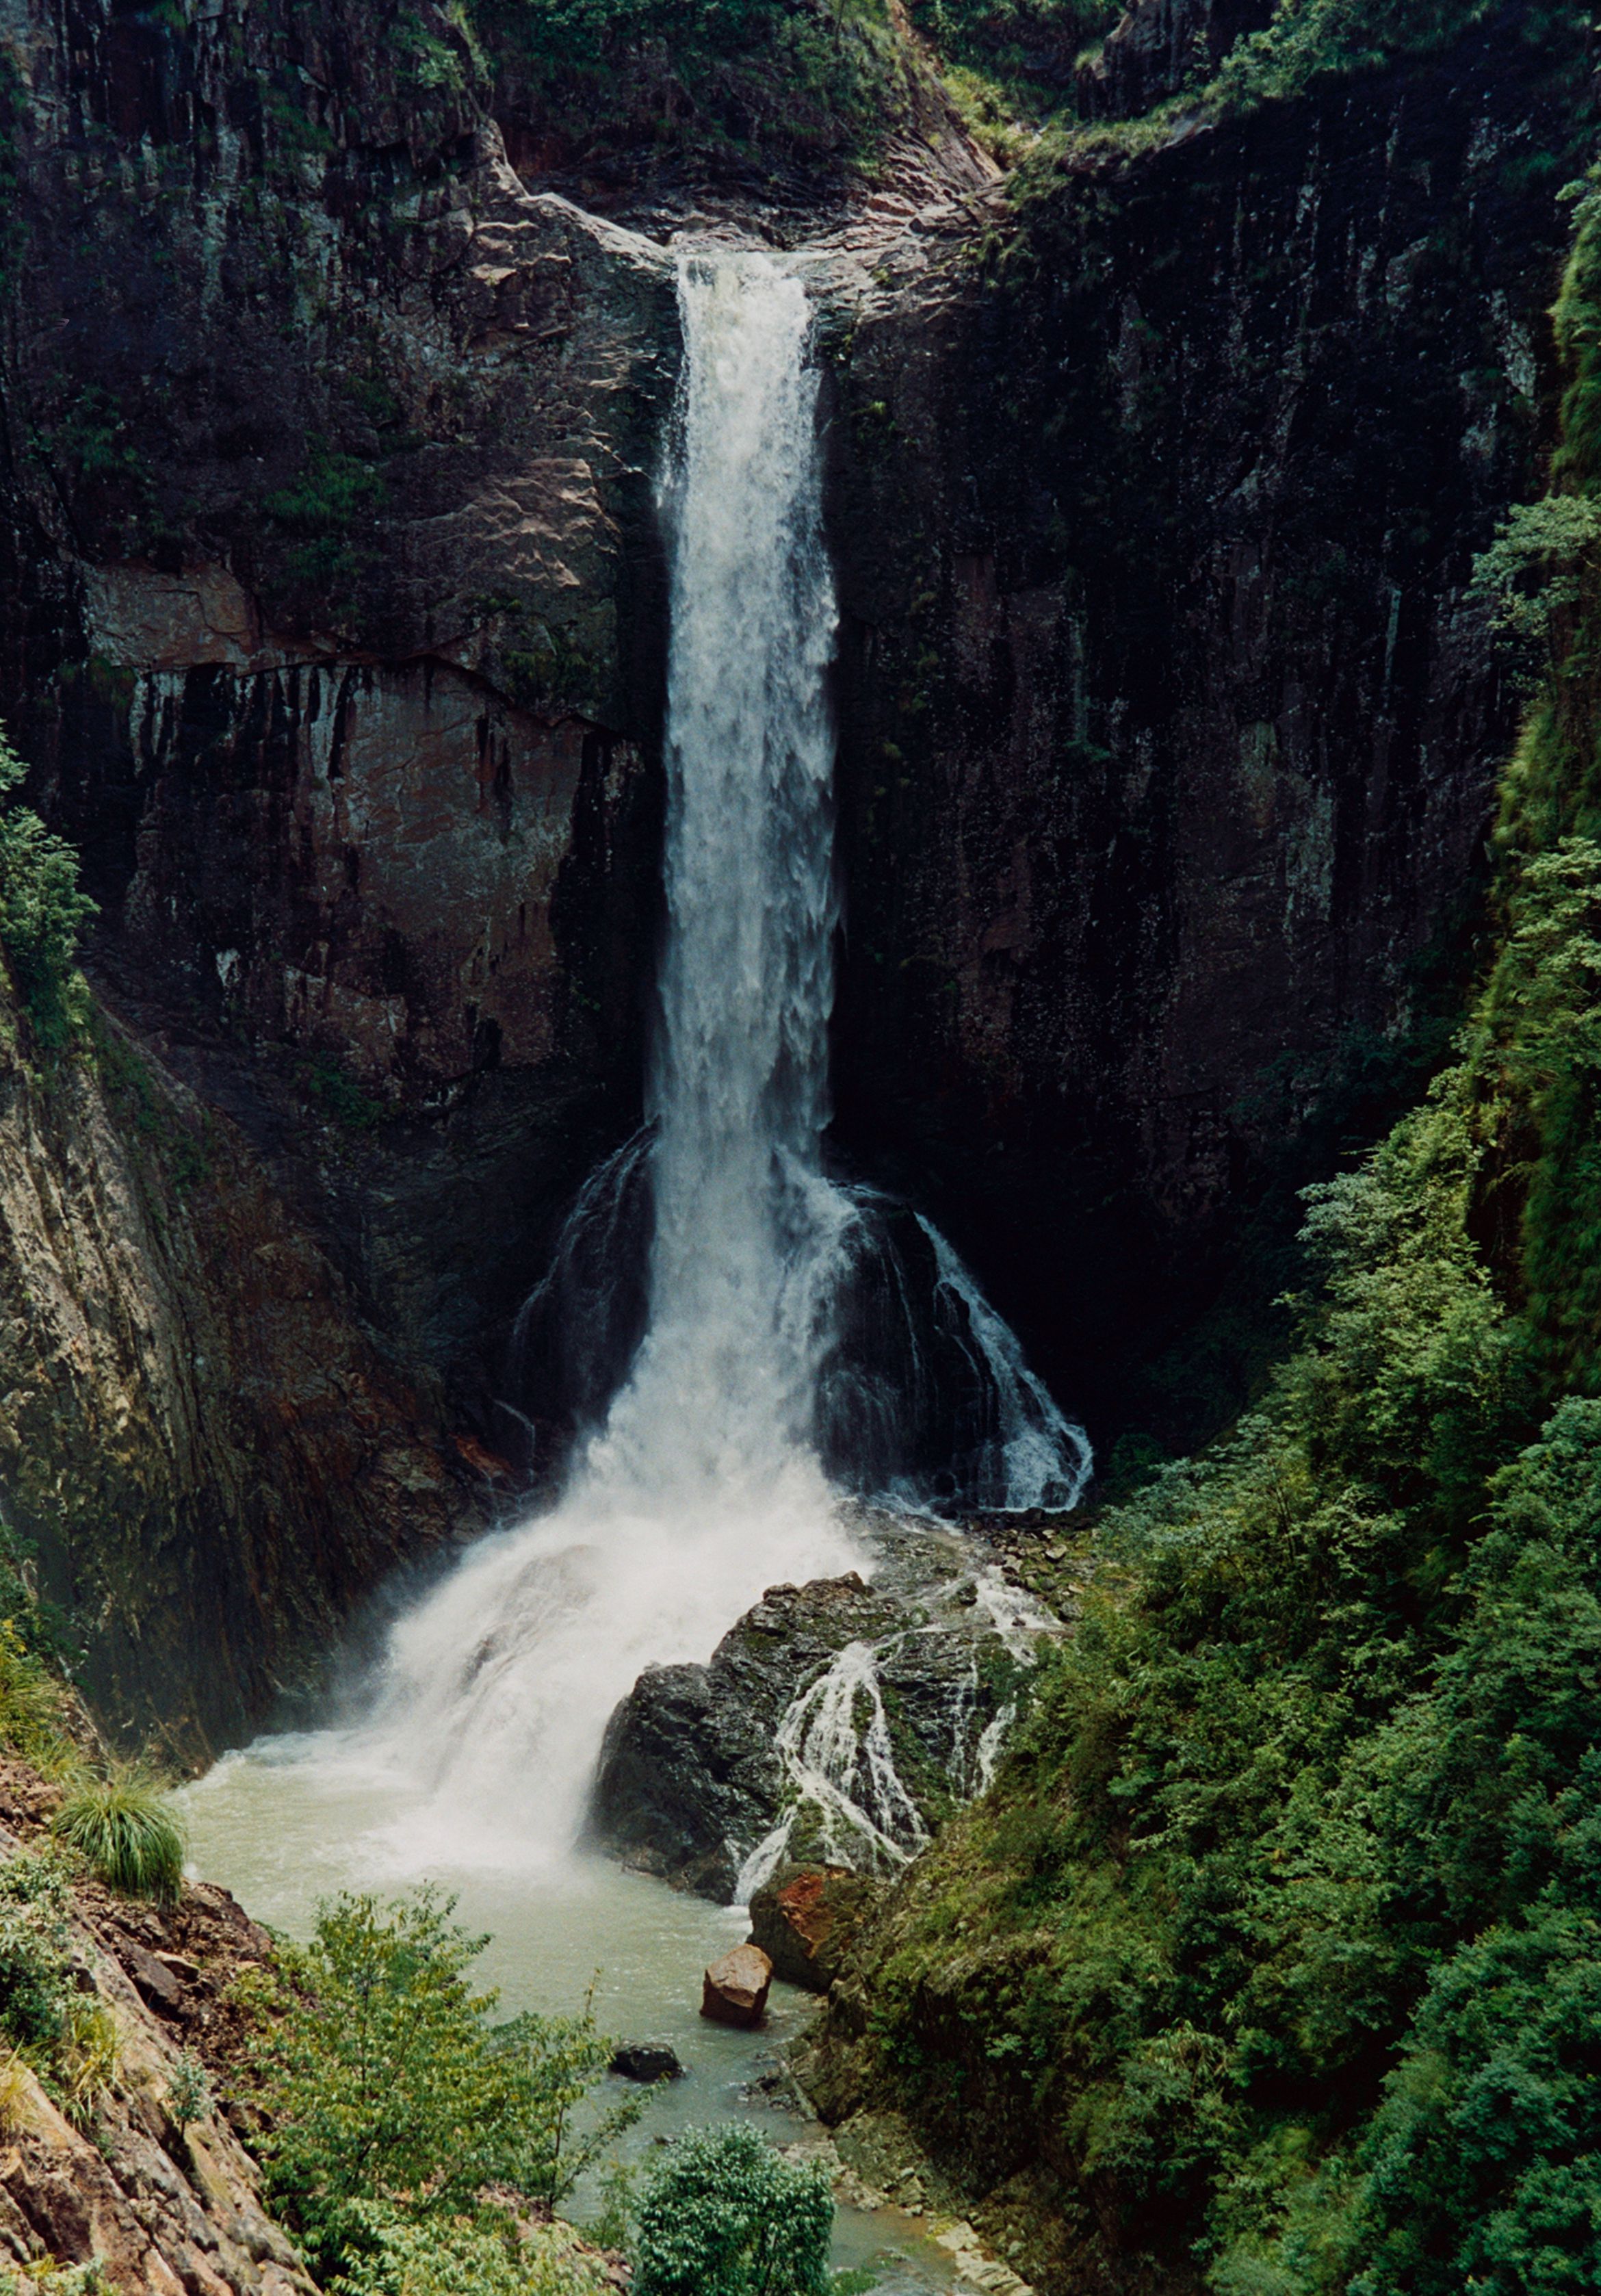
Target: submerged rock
<point>734,1991</point>
<point>647,2061</point>
<point>805,1919</point>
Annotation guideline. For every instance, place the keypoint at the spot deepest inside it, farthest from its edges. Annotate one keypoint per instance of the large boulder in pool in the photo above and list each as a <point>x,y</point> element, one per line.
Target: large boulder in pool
<point>693,1777</point>
<point>734,1989</point>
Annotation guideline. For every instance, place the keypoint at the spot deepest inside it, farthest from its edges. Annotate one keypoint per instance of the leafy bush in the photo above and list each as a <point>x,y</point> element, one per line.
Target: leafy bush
<point>33,1704</point>
<point>1309,39</point>
<point>1529,571</point>
<point>189,2090</point>
<point>486,2255</point>
<point>42,913</point>
<point>386,2085</point>
<point>723,2215</point>
<point>65,2036</point>
<point>333,493</point>
<point>825,77</point>
<point>128,1832</point>
<point>36,1962</point>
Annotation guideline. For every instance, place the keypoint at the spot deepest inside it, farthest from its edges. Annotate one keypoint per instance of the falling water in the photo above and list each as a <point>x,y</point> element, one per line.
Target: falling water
<point>700,1479</point>
<point>701,1486</point>
<point>835,1744</point>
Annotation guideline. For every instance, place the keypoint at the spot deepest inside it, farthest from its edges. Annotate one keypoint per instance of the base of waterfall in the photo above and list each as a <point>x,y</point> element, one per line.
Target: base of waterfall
<point>837,1724</point>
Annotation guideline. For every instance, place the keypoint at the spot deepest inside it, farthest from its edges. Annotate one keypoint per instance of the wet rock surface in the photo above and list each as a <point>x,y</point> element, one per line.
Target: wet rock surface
<point>837,1721</point>
<point>646,2060</point>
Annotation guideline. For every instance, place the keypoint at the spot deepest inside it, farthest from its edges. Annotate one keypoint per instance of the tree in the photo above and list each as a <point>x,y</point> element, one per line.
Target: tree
<point>384,2083</point>
<point>41,912</point>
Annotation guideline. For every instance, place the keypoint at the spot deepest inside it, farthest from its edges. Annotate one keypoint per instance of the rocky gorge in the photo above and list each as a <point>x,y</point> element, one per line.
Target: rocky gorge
<point>1171,383</point>
<point>1158,806</point>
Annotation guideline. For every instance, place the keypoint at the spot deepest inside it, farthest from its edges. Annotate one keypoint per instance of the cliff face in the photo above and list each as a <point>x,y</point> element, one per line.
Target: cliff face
<point>1168,736</point>
<point>331,624</point>
<point>212,1457</point>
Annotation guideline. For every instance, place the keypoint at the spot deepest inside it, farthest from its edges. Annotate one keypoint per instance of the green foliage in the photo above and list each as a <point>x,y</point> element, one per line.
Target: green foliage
<point>437,65</point>
<point>122,1825</point>
<point>92,439</point>
<point>42,913</point>
<point>723,2215</point>
<point>64,2036</point>
<point>1282,1917</point>
<point>33,1700</point>
<point>385,2086</point>
<point>333,493</point>
<point>485,2255</point>
<point>822,78</point>
<point>189,2090</point>
<point>342,1098</point>
<point>1313,39</point>
<point>1530,571</point>
<point>35,1959</point>
<point>1024,50</point>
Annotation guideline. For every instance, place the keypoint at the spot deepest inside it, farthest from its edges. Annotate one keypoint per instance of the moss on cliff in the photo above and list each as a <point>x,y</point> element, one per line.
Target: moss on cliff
<point>754,84</point>
<point>1272,1958</point>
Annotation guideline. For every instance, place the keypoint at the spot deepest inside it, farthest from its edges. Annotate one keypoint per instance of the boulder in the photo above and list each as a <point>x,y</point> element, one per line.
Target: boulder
<point>804,1918</point>
<point>735,1989</point>
<point>693,1777</point>
<point>647,2061</point>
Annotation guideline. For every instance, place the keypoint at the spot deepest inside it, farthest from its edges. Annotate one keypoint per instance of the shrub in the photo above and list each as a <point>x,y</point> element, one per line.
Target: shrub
<point>42,913</point>
<point>386,2085</point>
<point>486,2255</point>
<point>189,2090</point>
<point>723,2215</point>
<point>33,1704</point>
<point>36,1962</point>
<point>66,2037</point>
<point>129,1833</point>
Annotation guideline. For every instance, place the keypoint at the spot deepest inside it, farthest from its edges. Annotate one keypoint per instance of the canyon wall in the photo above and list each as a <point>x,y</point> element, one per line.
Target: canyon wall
<point>331,627</point>
<point>1168,735</point>
<point>211,1459</point>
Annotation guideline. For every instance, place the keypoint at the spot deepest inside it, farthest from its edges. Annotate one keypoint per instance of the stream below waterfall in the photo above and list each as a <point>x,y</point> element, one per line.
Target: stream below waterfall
<point>282,1832</point>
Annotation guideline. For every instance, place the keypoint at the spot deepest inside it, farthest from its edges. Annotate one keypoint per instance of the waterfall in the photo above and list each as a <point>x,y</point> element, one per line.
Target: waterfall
<point>705,1383</point>
<point>835,1744</point>
<point>700,1486</point>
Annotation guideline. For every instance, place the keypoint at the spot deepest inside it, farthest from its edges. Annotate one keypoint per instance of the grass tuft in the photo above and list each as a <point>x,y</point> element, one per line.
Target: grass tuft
<point>125,1829</point>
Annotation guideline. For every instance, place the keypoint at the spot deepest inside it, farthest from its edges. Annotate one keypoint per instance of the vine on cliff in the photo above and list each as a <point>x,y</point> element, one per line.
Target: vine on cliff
<point>42,913</point>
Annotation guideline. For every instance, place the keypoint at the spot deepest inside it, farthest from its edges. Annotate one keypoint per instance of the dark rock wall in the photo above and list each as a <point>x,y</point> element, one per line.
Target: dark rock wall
<point>1167,734</point>
<point>330,607</point>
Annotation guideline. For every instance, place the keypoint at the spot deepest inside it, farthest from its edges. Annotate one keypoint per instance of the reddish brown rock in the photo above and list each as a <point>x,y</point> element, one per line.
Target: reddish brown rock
<point>804,1918</point>
<point>735,1990</point>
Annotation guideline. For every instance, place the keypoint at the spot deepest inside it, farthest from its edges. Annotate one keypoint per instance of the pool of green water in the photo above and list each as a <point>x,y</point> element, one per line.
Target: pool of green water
<point>291,1821</point>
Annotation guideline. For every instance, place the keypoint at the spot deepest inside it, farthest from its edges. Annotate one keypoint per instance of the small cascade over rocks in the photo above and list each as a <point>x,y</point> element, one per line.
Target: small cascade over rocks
<point>836,1724</point>
<point>732,1342</point>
